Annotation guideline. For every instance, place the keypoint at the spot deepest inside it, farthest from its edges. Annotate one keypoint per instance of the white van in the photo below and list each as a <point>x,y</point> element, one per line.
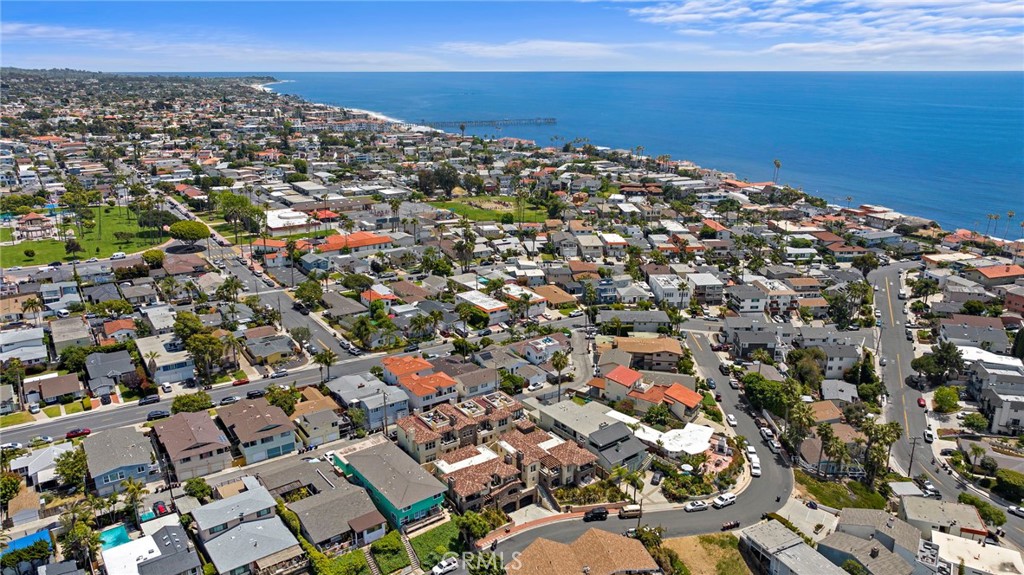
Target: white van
<point>63,313</point>
<point>118,256</point>
<point>724,500</point>
<point>630,511</point>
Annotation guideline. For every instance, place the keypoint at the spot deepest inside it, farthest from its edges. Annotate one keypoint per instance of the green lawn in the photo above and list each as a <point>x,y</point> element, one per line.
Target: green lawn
<point>840,495</point>
<point>15,418</point>
<point>431,546</point>
<point>94,243</point>
<point>351,563</point>
<point>390,562</point>
<point>73,407</point>
<point>461,207</point>
<point>6,234</point>
<point>54,410</point>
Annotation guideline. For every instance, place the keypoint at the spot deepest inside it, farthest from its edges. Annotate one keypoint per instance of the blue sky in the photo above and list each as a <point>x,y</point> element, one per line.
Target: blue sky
<point>726,35</point>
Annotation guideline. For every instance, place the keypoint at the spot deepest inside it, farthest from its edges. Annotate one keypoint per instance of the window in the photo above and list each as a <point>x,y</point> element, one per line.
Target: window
<point>219,528</point>
<point>263,512</point>
<point>140,469</point>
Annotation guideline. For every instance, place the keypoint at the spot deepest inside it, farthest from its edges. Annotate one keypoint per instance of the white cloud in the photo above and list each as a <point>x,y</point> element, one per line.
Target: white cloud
<point>533,48</point>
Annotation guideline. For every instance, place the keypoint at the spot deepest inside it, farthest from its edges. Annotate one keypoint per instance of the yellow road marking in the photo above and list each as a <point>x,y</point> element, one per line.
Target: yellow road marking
<point>696,342</point>
<point>906,421</point>
<point>899,370</point>
<point>321,342</point>
<point>888,299</point>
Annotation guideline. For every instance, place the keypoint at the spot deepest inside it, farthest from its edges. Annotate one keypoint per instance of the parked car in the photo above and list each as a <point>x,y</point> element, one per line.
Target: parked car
<point>412,347</point>
<point>253,394</point>
<point>712,384</point>
<point>484,332</point>
<point>656,479</point>
<point>160,509</point>
<point>77,432</point>
<point>240,382</point>
<point>42,439</point>
<point>596,514</point>
<point>576,313</point>
<point>446,565</point>
<point>755,469</point>
<point>718,397</point>
<point>166,388</point>
<point>724,500</point>
<point>10,445</point>
<point>157,414</point>
<point>734,383</point>
<point>694,506</point>
<point>1014,510</point>
<point>281,373</point>
<point>34,407</point>
<point>921,402</point>
<point>767,434</point>
<point>724,369</point>
<point>929,436</point>
<point>149,400</point>
<point>230,399</point>
<point>731,419</point>
<point>535,386</point>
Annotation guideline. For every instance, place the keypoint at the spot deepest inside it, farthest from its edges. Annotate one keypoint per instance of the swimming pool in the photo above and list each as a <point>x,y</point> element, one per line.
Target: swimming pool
<point>146,516</point>
<point>114,537</point>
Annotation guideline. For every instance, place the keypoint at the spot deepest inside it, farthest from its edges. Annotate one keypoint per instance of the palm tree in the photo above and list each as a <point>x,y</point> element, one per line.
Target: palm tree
<point>134,489</point>
<point>395,204</point>
<point>616,325</point>
<point>325,359</point>
<point>169,286</point>
<point>825,436</point>
<point>290,248</point>
<point>235,345</point>
<point>1009,216</point>
<point>420,324</point>
<point>559,361</point>
<point>151,363</point>
<point>232,286</point>
<point>778,166</point>
<point>761,356</point>
<point>33,305</point>
<point>977,452</point>
<point>436,317</point>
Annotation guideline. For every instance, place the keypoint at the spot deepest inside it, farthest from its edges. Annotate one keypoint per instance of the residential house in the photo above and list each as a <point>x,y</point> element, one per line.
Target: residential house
<point>243,535</point>
<point>839,359</point>
<point>381,404</point>
<point>876,525</point>
<point>496,310</point>
<point>269,350</point>
<point>165,359</point>
<point>101,293</point>
<point>479,381</point>
<point>987,333</point>
<point>72,331</point>
<point>261,431</point>
<point>398,366</point>
<point>929,515</point>
<point>191,445</point>
<point>53,388</point>
<point>589,425</point>
<point>317,419</point>
<point>353,520</point>
<point>541,350</point>
<point>477,478</point>
<point>839,392</point>
<point>107,370</point>
<point>532,303</point>
<point>670,288</point>
<point>9,402</point>
<point>596,552</point>
<point>706,288</point>
<point>651,354</point>
<point>119,330</point>
<point>995,275</point>
<point>873,558</point>
<point>118,454</point>
<point>952,553</point>
<point>168,551</point>
<point>403,492</point>
<point>545,460</point>
<point>428,436</point>
<point>635,320</point>
<point>39,467</point>
<point>26,345</point>
<point>139,295</point>
<point>763,541</point>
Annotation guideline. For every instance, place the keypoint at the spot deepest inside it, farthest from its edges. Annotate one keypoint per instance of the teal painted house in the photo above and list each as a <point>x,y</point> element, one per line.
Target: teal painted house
<point>402,491</point>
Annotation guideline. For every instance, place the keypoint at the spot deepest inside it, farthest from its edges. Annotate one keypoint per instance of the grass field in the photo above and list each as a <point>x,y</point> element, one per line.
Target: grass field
<point>431,546</point>
<point>351,563</point>
<point>6,234</point>
<point>73,407</point>
<point>54,410</point>
<point>486,208</point>
<point>710,554</point>
<point>15,418</point>
<point>840,495</point>
<point>94,243</point>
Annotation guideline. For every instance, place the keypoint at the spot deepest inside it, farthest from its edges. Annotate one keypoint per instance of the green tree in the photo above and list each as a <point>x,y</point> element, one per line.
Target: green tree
<point>283,398</point>
<point>865,263</point>
<point>559,361</point>
<point>948,358</point>
<point>153,258</point>
<point>186,325</point>
<point>309,293</point>
<point>946,400</point>
<point>81,541</point>
<point>472,526</point>
<point>191,402</point>
<point>72,247</point>
<point>658,415</point>
<point>206,351</point>
<point>327,358</point>
<point>762,393</point>
<point>1010,484</point>
<point>198,487</point>
<point>189,232</point>
<point>134,490</point>
<point>301,334</point>
<point>990,514</point>
<point>853,567</point>
<point>976,422</point>
<point>71,467</point>
<point>10,486</point>
<point>72,358</point>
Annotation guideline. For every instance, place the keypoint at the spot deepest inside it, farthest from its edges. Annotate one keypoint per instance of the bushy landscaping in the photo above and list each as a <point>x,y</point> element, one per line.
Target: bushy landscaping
<point>389,553</point>
<point>838,494</point>
<point>351,563</point>
<point>603,491</point>
<point>432,546</point>
<point>462,207</point>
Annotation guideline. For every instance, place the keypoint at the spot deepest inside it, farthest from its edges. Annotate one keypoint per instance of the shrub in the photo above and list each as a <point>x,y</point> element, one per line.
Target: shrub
<point>86,404</point>
<point>991,514</point>
<point>1010,484</point>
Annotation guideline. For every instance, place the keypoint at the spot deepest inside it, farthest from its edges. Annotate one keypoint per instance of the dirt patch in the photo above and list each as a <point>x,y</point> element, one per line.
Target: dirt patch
<point>709,555</point>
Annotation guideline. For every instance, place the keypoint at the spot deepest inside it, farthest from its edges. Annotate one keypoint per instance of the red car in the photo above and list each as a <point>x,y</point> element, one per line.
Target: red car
<point>240,382</point>
<point>718,397</point>
<point>921,402</point>
<point>77,432</point>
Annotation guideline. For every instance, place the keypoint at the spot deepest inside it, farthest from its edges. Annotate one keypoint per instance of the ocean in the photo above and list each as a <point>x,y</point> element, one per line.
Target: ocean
<point>944,146</point>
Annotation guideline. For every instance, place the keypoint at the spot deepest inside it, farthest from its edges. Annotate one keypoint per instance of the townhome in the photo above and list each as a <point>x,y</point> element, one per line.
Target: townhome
<point>533,303</point>
<point>636,320</point>
<point>115,455</point>
<point>318,419</point>
<point>243,534</point>
<point>781,298</point>
<point>398,366</point>
<point>260,430</point>
<point>746,300</point>
<point>839,358</point>
<point>974,331</point>
<point>427,436</point>
<point>706,288</point>
<point>27,345</point>
<point>546,460</point>
<point>614,245</point>
<point>669,288</point>
<point>72,331</point>
<point>591,248</point>
<point>165,358</point>
<point>191,445</point>
<point>403,492</point>
<point>477,478</point>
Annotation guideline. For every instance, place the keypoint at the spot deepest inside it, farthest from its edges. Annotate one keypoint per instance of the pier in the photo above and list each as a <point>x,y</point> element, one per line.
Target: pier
<point>488,123</point>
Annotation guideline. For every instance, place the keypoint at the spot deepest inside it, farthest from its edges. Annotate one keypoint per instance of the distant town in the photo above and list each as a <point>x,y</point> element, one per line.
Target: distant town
<point>243,333</point>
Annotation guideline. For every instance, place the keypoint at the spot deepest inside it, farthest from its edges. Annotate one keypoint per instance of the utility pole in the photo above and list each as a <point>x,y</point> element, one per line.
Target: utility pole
<point>913,446</point>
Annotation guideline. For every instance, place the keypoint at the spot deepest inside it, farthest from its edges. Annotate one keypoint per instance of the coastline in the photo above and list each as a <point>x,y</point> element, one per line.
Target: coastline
<point>369,113</point>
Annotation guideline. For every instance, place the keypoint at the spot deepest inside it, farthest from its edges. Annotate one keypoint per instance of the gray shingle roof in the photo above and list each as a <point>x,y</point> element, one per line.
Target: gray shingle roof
<point>346,502</point>
<point>394,475</point>
<point>249,542</point>
<point>115,448</point>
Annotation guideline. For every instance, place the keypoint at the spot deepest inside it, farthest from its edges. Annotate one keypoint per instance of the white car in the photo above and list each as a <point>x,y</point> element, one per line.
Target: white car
<point>928,436</point>
<point>751,451</point>
<point>446,565</point>
<point>731,419</point>
<point>42,439</point>
<point>166,388</point>
<point>755,469</point>
<point>11,445</point>
<point>694,506</point>
<point>1014,510</point>
<point>535,386</point>
<point>767,434</point>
